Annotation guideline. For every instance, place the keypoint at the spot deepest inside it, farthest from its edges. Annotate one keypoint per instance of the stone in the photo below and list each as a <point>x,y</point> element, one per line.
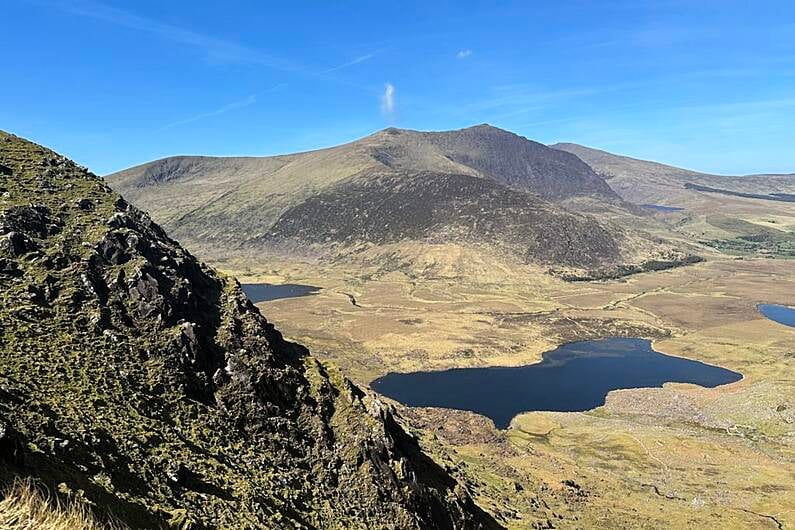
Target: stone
<point>16,244</point>
<point>113,248</point>
<point>11,445</point>
<point>85,204</point>
<point>34,220</point>
<point>36,294</point>
<point>9,268</point>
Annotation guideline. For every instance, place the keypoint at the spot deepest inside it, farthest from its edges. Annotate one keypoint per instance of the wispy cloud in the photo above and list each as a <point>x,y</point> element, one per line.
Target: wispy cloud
<point>664,35</point>
<point>388,99</point>
<point>221,110</point>
<point>352,62</point>
<point>737,107</point>
<point>215,48</point>
<point>463,54</point>
<point>246,102</point>
<point>521,98</point>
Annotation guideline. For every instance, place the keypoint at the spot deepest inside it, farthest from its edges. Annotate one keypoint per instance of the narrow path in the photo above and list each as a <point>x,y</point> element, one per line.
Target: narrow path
<point>663,464</point>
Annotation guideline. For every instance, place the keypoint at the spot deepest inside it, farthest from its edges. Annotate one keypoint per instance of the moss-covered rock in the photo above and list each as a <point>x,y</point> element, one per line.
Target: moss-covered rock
<point>138,379</point>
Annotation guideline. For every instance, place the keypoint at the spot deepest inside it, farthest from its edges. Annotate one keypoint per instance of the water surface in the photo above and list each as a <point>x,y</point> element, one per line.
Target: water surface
<point>263,292</point>
<point>574,377</point>
<point>661,208</point>
<point>778,313</point>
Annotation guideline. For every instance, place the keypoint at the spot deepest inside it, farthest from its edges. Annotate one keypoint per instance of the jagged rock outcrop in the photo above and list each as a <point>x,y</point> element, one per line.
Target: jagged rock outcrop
<point>138,379</point>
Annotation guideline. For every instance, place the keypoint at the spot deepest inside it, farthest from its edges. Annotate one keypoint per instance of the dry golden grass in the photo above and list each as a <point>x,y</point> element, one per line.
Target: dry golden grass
<point>26,505</point>
<point>675,457</point>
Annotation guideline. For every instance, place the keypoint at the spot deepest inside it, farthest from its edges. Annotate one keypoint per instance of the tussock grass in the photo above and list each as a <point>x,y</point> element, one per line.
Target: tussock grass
<point>28,506</point>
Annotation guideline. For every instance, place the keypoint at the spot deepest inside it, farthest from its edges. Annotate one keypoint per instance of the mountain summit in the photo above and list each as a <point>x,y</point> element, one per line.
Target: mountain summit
<point>494,154</point>
<point>138,379</point>
<point>479,188</point>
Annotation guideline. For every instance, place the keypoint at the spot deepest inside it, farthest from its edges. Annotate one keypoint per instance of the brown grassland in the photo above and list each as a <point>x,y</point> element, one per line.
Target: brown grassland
<point>678,456</point>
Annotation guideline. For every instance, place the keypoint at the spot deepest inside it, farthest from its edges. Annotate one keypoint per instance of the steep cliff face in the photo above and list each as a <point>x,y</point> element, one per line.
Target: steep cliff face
<point>138,379</point>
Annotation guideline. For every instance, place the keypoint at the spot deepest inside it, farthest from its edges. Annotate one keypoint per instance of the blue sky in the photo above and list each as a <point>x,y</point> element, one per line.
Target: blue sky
<point>116,83</point>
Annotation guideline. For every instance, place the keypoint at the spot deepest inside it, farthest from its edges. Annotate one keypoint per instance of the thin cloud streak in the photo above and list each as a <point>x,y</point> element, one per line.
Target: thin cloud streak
<point>215,48</point>
<point>519,99</point>
<point>735,107</point>
<point>247,102</point>
<point>352,62</point>
<point>226,108</point>
<point>463,54</point>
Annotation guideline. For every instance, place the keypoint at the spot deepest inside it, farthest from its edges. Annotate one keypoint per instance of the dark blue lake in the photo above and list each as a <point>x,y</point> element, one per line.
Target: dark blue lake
<point>263,292</point>
<point>574,377</point>
<point>778,313</point>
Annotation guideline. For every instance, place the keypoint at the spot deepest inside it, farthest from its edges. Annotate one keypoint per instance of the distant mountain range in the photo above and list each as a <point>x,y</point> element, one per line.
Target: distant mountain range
<point>481,188</point>
<point>645,182</point>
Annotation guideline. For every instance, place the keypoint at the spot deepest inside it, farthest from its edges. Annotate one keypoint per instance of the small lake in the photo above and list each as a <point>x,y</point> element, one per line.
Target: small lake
<point>264,292</point>
<point>661,208</point>
<point>778,313</point>
<point>574,377</point>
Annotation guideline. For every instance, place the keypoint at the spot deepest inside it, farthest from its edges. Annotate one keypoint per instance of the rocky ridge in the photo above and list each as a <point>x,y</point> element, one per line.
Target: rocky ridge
<point>141,381</point>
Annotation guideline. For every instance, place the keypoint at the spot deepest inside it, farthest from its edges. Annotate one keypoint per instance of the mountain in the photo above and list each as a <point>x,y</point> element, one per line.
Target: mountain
<point>140,381</point>
<point>645,182</point>
<point>481,188</point>
<point>494,154</point>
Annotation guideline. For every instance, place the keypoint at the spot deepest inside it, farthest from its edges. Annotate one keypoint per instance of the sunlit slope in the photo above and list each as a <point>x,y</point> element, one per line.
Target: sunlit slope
<point>487,189</point>
<point>646,182</point>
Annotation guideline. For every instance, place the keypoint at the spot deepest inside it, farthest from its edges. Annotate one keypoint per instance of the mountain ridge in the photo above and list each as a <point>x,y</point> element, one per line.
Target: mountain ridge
<point>138,379</point>
<point>395,186</point>
<point>642,181</point>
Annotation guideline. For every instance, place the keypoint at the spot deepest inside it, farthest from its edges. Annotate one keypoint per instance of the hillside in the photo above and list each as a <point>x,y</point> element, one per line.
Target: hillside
<point>645,182</point>
<point>494,154</point>
<point>140,381</point>
<point>752,215</point>
<point>482,188</point>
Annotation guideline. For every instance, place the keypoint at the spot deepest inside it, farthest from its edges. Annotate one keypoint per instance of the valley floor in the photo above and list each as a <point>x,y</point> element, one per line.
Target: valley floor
<point>679,456</point>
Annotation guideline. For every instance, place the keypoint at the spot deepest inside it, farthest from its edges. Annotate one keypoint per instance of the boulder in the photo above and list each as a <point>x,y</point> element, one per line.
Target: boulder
<point>15,244</point>
<point>85,204</point>
<point>12,447</point>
